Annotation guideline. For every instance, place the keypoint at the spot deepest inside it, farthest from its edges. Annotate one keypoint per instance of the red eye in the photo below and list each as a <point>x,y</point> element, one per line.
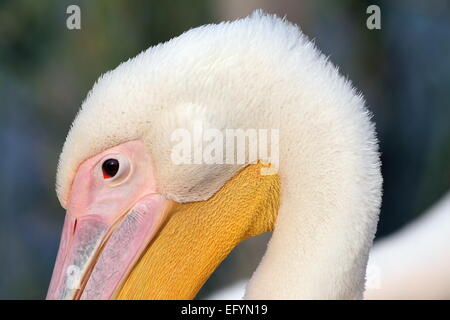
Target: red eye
<point>110,168</point>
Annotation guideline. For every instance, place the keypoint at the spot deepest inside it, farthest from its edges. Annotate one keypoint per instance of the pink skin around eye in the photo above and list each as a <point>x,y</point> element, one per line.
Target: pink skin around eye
<point>107,225</point>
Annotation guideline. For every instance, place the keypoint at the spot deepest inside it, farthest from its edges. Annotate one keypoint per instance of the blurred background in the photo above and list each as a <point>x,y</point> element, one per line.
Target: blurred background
<point>46,71</point>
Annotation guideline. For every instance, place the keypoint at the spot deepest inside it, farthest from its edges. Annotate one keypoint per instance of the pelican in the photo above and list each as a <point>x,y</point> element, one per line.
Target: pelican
<point>140,225</point>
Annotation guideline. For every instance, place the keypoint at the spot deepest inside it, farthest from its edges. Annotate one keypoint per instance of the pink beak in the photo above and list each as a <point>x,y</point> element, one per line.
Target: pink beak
<point>97,252</point>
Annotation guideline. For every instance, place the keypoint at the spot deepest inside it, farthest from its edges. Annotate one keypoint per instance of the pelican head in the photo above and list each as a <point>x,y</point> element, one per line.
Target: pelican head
<point>140,225</point>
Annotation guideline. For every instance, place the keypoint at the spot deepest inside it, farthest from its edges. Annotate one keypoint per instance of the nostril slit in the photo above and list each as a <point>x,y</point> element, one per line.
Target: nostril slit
<point>75,226</point>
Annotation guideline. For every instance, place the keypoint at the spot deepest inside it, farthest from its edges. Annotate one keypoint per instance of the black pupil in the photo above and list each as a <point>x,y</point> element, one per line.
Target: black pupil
<point>110,167</point>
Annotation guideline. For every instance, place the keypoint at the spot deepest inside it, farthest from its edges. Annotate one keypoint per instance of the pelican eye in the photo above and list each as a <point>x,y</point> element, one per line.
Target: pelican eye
<point>110,167</point>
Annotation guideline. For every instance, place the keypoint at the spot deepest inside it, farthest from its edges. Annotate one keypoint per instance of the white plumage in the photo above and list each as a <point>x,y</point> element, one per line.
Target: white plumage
<point>257,72</point>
